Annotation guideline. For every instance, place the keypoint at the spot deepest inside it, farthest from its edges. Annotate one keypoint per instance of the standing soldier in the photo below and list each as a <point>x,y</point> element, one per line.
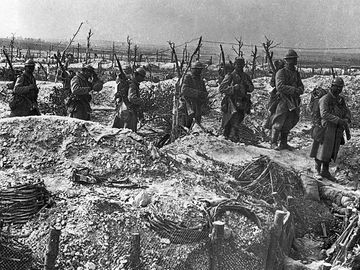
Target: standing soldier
<point>331,118</point>
<point>81,85</point>
<point>236,86</point>
<point>25,94</point>
<point>192,97</point>
<point>287,114</point>
<point>129,101</point>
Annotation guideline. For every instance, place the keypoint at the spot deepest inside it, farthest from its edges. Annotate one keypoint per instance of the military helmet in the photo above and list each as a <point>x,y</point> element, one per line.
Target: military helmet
<point>197,65</point>
<point>239,61</point>
<point>291,54</point>
<point>338,82</point>
<point>29,63</point>
<point>141,71</point>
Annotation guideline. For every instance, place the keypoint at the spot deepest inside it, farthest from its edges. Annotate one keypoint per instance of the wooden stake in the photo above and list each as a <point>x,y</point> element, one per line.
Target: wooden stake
<point>135,250</point>
<point>217,242</point>
<point>52,249</point>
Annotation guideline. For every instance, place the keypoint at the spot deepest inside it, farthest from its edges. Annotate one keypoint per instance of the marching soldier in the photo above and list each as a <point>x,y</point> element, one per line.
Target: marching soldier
<point>81,85</point>
<point>129,101</point>
<point>192,97</point>
<point>25,93</point>
<point>331,119</point>
<point>236,86</point>
<point>289,87</point>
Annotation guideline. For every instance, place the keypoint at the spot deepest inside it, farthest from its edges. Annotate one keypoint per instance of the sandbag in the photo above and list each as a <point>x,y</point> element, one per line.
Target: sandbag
<point>310,186</point>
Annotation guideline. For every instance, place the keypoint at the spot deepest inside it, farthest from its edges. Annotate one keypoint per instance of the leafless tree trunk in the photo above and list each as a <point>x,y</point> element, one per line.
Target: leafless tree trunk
<point>268,46</point>
<point>254,58</point>
<point>136,48</point>
<point>70,42</point>
<point>238,51</point>
<point>87,56</point>
<point>12,43</point>
<point>128,40</point>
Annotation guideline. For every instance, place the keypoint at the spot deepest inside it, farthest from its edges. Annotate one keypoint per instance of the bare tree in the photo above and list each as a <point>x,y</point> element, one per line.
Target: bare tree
<point>12,43</point>
<point>254,59</point>
<point>128,40</point>
<point>268,46</point>
<point>70,42</point>
<point>238,51</point>
<point>136,48</point>
<point>87,56</point>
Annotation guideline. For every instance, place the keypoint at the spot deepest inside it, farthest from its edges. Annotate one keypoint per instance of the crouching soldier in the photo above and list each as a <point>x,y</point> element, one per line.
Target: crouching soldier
<point>192,97</point>
<point>25,93</point>
<point>236,86</point>
<point>128,100</point>
<point>81,84</point>
<point>331,118</point>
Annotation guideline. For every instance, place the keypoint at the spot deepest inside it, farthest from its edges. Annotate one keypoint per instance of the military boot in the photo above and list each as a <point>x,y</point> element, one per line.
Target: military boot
<point>274,138</point>
<point>283,142</point>
<point>325,172</point>
<point>318,165</point>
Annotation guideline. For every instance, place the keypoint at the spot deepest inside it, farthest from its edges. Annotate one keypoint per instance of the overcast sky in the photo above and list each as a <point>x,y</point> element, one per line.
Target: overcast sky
<point>306,23</point>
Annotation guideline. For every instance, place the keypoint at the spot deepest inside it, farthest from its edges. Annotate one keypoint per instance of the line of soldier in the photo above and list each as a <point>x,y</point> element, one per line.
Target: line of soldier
<point>330,113</point>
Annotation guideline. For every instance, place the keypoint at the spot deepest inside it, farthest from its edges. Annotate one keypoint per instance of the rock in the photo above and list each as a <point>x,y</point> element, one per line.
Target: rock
<point>142,199</point>
<point>90,266</point>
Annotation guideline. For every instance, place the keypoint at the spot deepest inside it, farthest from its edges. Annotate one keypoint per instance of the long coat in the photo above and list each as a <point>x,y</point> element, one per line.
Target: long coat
<point>128,111</point>
<point>79,103</point>
<point>329,137</point>
<point>24,100</point>
<point>237,100</point>
<point>288,85</point>
<point>193,96</point>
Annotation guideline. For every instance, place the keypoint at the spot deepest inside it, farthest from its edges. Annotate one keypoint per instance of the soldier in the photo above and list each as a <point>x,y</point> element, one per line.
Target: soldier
<point>25,93</point>
<point>236,86</point>
<point>81,85</point>
<point>331,118</point>
<point>129,101</point>
<point>289,88</point>
<point>192,97</point>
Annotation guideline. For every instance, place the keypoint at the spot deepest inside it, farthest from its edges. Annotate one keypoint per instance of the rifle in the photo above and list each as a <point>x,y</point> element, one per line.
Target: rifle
<point>122,73</point>
<point>10,65</point>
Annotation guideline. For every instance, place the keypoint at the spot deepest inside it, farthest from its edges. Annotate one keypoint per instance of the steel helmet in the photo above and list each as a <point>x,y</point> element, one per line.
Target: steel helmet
<point>197,65</point>
<point>29,63</point>
<point>338,82</point>
<point>141,71</point>
<point>239,61</point>
<point>291,54</point>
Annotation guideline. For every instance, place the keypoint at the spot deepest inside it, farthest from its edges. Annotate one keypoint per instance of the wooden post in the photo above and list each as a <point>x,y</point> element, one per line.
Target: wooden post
<point>275,235</point>
<point>78,52</point>
<point>135,250</point>
<point>52,249</point>
<point>217,242</point>
<point>157,55</point>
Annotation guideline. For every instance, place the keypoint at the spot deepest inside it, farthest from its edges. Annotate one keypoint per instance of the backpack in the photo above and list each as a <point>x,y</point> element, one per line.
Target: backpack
<point>313,106</point>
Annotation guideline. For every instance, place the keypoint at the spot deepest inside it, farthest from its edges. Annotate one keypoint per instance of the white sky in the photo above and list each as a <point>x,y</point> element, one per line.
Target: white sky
<point>326,23</point>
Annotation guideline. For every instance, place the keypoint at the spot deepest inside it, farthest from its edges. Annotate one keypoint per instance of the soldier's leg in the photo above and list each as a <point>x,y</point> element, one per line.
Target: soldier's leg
<point>274,138</point>
<point>325,171</point>
<point>318,165</point>
<point>234,127</point>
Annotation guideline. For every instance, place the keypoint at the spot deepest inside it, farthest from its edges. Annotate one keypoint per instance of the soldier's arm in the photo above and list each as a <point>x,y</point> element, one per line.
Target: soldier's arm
<point>132,95</point>
<point>281,87</point>
<point>76,89</point>
<point>300,85</point>
<point>248,83</point>
<point>187,90</point>
<point>225,86</point>
<point>19,89</point>
<point>325,111</point>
